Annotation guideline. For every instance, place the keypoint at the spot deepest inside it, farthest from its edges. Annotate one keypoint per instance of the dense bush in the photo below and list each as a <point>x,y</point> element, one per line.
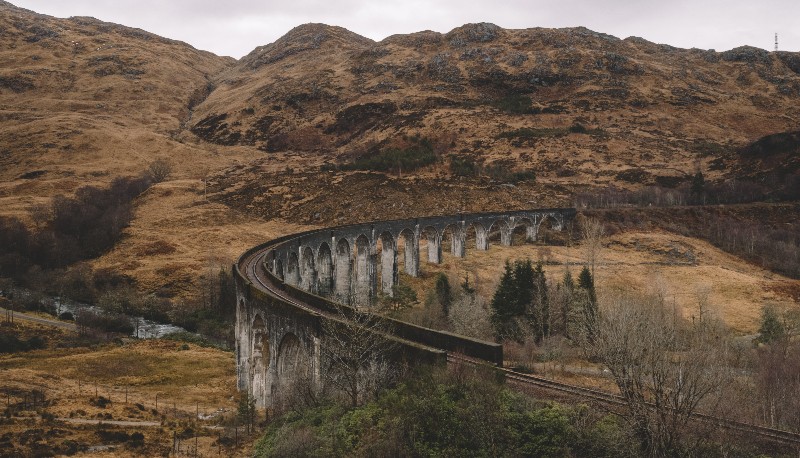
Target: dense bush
<point>446,415</point>
<point>11,343</point>
<point>515,104</point>
<point>104,321</point>
<point>73,228</point>
<point>530,132</point>
<point>463,166</point>
<point>502,172</point>
<point>396,160</point>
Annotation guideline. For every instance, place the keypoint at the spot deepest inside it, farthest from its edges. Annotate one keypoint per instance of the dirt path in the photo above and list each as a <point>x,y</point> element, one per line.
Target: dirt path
<point>89,421</point>
<point>40,320</point>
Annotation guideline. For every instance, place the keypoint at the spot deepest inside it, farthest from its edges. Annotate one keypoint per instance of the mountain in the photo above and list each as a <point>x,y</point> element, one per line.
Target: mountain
<point>262,144</point>
<point>83,100</point>
<point>643,105</point>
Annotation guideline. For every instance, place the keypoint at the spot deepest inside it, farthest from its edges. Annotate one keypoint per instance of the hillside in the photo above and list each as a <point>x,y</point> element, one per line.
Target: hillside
<point>641,105</point>
<point>268,144</point>
<point>82,101</point>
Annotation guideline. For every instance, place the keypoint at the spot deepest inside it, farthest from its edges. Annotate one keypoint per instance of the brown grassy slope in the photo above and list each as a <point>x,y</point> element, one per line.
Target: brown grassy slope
<point>83,101</point>
<point>659,108</point>
<point>685,270</point>
<point>184,379</point>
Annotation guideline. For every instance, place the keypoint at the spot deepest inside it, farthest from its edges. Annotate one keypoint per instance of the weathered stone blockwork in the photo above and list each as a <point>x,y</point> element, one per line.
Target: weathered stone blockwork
<point>286,288</point>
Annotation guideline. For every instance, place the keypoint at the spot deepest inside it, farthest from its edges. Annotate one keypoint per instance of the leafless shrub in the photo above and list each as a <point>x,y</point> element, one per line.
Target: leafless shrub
<point>159,170</point>
<point>469,316</point>
<point>665,368</point>
<point>356,356</point>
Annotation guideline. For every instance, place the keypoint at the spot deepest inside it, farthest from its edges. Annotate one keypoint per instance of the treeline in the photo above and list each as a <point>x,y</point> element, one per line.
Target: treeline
<point>776,249</point>
<point>418,152</point>
<point>525,305</point>
<point>70,229</point>
<point>115,295</point>
<point>748,233</point>
<point>777,370</point>
<point>696,191</point>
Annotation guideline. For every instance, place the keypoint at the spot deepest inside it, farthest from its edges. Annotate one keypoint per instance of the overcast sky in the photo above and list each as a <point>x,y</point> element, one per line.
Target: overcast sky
<point>235,27</point>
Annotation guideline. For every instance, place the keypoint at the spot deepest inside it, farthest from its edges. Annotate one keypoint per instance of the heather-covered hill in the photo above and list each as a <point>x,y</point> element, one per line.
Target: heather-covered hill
<point>324,126</point>
<point>83,101</point>
<point>574,105</point>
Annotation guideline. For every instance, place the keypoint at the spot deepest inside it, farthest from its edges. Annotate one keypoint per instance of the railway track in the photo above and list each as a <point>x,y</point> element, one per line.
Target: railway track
<point>252,266</point>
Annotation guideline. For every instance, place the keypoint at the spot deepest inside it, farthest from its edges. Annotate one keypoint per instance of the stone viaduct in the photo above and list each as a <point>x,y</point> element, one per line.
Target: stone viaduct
<point>287,288</point>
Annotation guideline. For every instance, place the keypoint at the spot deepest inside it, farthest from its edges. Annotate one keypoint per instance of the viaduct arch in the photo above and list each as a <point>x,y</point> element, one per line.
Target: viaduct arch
<point>288,287</point>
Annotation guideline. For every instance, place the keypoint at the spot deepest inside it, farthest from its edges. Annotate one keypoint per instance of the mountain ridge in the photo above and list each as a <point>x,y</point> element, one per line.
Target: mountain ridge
<point>261,144</point>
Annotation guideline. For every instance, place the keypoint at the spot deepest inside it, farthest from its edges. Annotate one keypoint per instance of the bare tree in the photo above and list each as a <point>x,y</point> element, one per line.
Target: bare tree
<point>469,316</point>
<point>665,369</point>
<point>778,370</point>
<point>356,355</point>
<point>159,170</point>
<point>41,214</point>
<point>592,233</point>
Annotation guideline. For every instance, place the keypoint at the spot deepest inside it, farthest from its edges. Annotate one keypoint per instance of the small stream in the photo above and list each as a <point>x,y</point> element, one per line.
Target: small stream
<point>142,328</point>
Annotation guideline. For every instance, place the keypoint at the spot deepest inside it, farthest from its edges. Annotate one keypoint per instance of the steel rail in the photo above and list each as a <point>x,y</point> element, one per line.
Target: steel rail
<point>253,267</point>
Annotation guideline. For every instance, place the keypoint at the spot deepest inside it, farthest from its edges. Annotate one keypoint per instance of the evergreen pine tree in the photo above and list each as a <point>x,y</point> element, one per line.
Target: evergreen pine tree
<point>443,293</point>
<point>569,297</point>
<point>586,282</point>
<point>540,304</point>
<point>568,282</point>
<point>698,186</point>
<point>771,327</point>
<point>503,306</point>
<point>524,283</point>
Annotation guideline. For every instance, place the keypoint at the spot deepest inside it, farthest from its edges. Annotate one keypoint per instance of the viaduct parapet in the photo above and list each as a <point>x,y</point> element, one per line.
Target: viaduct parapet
<point>287,288</point>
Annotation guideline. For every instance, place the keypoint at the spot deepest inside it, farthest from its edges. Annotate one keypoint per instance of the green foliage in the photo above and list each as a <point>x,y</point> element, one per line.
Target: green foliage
<point>11,343</point>
<point>506,307</point>
<point>586,281</point>
<point>568,282</point>
<point>772,329</point>
<point>568,285</point>
<point>440,414</point>
<point>443,293</point>
<point>515,104</point>
<point>246,411</point>
<point>589,303</point>
<point>397,160</point>
<point>539,305</point>
<point>498,171</point>
<point>463,166</point>
<point>526,133</point>
<point>403,296</point>
<point>578,128</point>
<point>502,172</point>
<point>698,184</point>
<point>522,292</point>
<point>542,432</point>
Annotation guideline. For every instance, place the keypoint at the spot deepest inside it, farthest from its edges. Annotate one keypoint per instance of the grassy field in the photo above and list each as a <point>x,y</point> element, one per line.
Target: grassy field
<point>687,271</point>
<point>159,386</point>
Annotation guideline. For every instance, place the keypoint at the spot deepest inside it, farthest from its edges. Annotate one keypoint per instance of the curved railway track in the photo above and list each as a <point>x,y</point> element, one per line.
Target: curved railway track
<point>252,267</point>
